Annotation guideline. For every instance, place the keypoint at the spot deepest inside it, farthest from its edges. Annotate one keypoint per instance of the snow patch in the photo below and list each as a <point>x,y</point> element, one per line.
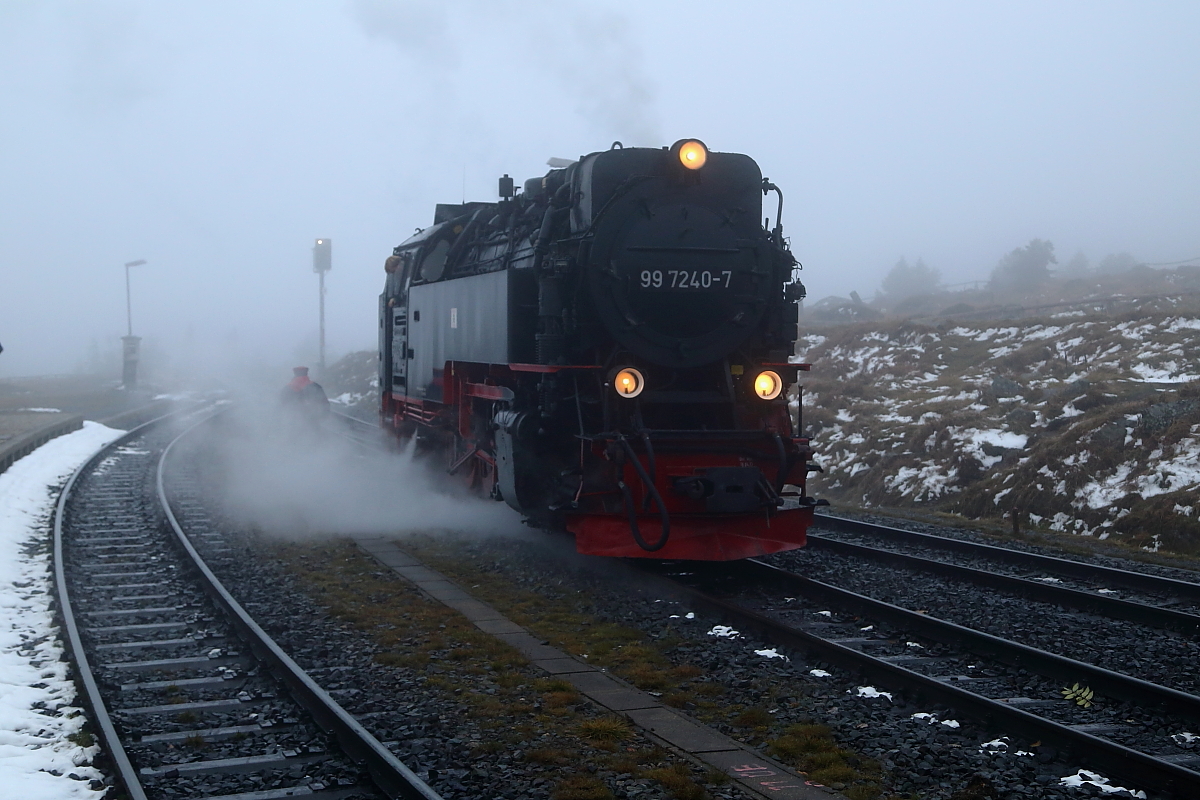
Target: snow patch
<point>36,696</point>
<point>772,653</point>
<point>1097,781</point>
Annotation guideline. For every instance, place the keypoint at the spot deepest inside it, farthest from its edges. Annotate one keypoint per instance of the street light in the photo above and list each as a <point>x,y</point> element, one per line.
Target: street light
<point>130,349</point>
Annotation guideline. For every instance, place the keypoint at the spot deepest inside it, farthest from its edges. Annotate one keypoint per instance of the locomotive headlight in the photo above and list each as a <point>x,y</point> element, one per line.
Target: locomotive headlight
<point>629,382</point>
<point>768,384</point>
<point>693,154</point>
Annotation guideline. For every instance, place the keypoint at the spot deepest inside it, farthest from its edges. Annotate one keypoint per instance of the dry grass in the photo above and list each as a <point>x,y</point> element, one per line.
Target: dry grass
<point>83,737</point>
<point>581,787</point>
<point>561,699</point>
<point>622,650</point>
<point>813,750</point>
<point>678,780</point>
<point>605,729</point>
<point>755,717</point>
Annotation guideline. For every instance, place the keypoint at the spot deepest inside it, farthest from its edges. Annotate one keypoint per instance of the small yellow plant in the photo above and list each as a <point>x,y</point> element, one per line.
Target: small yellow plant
<point>1080,695</point>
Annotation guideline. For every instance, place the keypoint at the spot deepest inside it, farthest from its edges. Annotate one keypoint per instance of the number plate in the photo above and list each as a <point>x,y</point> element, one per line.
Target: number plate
<point>685,279</point>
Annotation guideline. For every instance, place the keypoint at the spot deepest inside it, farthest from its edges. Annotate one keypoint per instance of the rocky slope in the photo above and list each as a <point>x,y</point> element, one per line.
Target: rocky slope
<point>352,383</point>
<point>1081,421</point>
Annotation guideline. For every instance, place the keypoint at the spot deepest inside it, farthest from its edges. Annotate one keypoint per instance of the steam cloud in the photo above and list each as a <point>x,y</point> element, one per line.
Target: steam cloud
<point>287,478</point>
<point>591,55</point>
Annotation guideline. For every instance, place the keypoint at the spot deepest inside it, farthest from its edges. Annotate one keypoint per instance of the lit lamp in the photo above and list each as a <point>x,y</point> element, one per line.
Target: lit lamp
<point>129,350</point>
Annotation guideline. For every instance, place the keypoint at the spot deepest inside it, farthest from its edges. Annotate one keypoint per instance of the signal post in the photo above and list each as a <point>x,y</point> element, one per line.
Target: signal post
<point>322,263</point>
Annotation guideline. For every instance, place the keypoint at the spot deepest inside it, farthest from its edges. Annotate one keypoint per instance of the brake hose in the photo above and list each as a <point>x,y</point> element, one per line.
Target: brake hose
<point>783,464</point>
<point>653,468</point>
<point>632,511</point>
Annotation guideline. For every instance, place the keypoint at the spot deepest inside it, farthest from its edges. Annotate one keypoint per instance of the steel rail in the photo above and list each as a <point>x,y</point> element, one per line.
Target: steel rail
<point>1063,566</point>
<point>1110,757</point>
<point>126,774</point>
<point>1105,681</point>
<point>390,774</point>
<point>1116,608</point>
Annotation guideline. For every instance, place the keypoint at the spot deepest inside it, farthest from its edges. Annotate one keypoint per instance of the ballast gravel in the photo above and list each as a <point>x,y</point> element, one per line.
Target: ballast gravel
<point>436,737</point>
<point>925,750</point>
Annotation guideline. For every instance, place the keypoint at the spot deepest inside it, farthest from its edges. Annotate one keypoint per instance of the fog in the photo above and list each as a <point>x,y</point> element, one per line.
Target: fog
<point>216,140</point>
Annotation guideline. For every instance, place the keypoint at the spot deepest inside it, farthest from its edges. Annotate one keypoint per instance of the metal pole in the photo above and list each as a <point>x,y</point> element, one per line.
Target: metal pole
<point>321,359</point>
<point>129,349</point>
<point>128,302</point>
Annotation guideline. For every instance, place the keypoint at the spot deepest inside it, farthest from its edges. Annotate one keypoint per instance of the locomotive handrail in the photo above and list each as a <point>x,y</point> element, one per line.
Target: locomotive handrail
<point>767,186</point>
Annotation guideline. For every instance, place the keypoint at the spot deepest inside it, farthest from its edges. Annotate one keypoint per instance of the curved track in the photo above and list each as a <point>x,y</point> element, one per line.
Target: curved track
<point>161,654</point>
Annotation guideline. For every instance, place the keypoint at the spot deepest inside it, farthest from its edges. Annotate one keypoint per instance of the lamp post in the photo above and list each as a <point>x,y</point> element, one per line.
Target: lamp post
<point>130,349</point>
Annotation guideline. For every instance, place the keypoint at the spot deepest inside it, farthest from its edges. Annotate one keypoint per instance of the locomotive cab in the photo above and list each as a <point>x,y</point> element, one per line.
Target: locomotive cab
<point>607,351</point>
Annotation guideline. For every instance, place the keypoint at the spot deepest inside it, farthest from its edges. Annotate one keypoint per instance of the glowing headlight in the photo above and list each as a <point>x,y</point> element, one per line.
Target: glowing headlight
<point>768,384</point>
<point>693,154</point>
<point>629,382</point>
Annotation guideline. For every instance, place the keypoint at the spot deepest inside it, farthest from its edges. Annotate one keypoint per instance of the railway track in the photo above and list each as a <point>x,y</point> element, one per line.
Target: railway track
<point>1036,588</point>
<point>1010,685</point>
<point>1094,576</point>
<point>190,697</point>
<point>960,676</point>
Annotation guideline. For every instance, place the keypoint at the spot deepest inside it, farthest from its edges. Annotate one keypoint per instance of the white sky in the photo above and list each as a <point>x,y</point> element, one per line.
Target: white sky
<point>218,139</point>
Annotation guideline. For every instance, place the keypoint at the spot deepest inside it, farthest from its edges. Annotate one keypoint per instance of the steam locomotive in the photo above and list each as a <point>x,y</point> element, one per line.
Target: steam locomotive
<point>607,350</point>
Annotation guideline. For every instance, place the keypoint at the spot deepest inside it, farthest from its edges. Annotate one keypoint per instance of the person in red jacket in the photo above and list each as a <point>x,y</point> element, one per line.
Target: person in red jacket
<point>305,394</point>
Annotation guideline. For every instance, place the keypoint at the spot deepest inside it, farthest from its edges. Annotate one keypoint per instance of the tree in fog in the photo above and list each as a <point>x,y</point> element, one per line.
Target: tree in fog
<point>905,280</point>
<point>1113,263</point>
<point>1077,267</point>
<point>1026,267</point>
